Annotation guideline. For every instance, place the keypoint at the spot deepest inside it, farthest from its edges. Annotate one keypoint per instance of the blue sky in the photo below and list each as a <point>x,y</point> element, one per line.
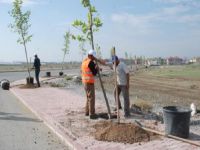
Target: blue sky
<point>139,27</point>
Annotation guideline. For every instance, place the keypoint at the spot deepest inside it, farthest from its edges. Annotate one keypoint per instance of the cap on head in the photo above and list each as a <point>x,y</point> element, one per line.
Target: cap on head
<point>114,58</point>
<point>92,52</point>
<point>35,54</point>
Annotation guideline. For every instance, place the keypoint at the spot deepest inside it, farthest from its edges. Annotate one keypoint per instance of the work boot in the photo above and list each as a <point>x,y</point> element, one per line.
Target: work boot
<point>94,116</point>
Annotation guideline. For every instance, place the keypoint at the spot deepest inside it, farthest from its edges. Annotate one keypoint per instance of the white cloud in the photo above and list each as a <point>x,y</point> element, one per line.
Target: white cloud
<point>175,14</point>
<point>190,3</point>
<point>141,24</point>
<point>175,10</point>
<point>172,1</point>
<point>189,18</point>
<point>133,20</point>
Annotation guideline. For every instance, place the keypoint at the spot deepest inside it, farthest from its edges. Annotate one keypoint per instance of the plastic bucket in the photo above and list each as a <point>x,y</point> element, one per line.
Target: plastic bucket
<point>177,121</point>
<point>48,74</point>
<point>29,80</point>
<point>5,84</point>
<point>60,73</point>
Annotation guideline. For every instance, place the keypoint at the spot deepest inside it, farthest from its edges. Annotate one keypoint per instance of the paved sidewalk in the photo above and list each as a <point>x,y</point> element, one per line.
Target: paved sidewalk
<point>63,111</point>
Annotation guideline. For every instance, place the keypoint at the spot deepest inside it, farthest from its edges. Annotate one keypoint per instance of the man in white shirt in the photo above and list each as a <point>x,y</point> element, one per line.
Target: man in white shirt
<point>122,84</point>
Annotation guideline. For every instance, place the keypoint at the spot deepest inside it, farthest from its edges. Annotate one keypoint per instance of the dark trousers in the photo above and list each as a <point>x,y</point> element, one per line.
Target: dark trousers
<point>125,93</point>
<point>90,102</point>
<point>37,72</point>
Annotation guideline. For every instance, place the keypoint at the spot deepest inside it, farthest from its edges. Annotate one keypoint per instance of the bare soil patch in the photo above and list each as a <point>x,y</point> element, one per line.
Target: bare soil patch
<point>158,91</point>
<point>27,86</point>
<point>123,133</point>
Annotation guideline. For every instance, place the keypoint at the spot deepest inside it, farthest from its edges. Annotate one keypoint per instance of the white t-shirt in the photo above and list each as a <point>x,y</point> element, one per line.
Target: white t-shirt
<point>122,70</point>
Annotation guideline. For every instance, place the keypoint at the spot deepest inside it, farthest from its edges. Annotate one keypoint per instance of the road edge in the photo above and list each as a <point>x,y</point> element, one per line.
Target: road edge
<point>68,139</point>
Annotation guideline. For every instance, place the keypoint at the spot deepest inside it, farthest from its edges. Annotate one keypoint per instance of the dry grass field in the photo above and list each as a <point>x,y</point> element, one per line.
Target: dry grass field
<point>161,86</point>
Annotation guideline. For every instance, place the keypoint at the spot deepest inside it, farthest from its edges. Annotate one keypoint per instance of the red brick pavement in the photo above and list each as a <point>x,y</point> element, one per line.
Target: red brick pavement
<point>51,105</point>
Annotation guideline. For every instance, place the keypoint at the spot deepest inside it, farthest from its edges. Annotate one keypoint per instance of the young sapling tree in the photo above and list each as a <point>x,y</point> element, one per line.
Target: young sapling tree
<point>87,29</point>
<point>21,26</point>
<point>98,50</point>
<point>66,47</point>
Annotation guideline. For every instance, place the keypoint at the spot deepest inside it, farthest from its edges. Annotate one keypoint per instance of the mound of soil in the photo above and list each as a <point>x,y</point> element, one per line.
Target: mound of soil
<point>194,86</point>
<point>123,133</point>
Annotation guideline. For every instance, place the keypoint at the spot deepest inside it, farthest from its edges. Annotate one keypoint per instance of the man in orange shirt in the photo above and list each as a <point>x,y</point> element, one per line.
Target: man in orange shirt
<point>89,70</point>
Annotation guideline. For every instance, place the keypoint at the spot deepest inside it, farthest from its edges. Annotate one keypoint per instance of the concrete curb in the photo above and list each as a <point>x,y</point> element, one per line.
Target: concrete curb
<point>68,139</point>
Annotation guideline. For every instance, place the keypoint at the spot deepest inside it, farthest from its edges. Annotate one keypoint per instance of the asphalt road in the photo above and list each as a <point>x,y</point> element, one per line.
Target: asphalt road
<point>21,130</point>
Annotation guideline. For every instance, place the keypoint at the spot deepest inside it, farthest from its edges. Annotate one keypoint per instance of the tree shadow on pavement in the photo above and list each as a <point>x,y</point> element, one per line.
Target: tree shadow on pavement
<point>194,137</point>
<point>4,113</point>
<point>14,117</point>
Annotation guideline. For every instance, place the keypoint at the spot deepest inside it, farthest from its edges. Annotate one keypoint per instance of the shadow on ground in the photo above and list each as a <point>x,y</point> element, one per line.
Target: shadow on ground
<point>16,117</point>
<point>194,136</point>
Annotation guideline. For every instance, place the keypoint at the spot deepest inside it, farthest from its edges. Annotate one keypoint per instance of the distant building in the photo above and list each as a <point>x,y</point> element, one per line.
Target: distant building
<point>157,61</point>
<point>195,60</point>
<point>174,61</point>
<point>139,61</point>
<point>198,59</point>
<point>152,62</point>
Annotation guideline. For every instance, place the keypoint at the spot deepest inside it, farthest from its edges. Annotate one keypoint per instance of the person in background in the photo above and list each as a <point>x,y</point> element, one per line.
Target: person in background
<point>122,84</point>
<point>36,66</point>
<point>89,70</point>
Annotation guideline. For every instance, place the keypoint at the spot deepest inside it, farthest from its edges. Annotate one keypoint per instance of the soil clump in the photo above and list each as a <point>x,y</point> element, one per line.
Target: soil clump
<point>123,133</point>
<point>27,86</point>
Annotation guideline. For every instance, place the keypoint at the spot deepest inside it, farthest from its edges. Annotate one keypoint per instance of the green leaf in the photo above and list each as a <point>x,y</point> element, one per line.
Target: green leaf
<point>85,3</point>
<point>77,23</point>
<point>73,37</point>
<point>20,24</point>
<point>80,38</point>
<point>87,28</point>
<point>93,9</point>
<point>97,22</point>
<point>66,42</point>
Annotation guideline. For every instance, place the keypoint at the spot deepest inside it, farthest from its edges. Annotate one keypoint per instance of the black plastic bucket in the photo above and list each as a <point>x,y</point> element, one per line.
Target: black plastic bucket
<point>48,74</point>
<point>60,73</point>
<point>29,80</point>
<point>177,121</point>
<point>5,84</point>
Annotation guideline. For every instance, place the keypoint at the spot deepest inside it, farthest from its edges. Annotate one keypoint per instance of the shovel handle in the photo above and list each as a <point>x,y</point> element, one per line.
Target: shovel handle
<point>167,135</point>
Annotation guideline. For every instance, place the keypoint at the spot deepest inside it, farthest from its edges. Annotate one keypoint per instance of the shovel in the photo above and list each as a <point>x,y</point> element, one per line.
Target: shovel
<point>167,135</point>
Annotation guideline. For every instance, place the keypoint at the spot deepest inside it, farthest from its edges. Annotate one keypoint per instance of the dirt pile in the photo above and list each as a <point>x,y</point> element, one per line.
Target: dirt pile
<point>27,86</point>
<point>123,133</point>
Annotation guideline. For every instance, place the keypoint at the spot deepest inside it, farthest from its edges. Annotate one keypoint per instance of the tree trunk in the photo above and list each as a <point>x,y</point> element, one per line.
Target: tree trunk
<point>116,86</point>
<point>99,75</point>
<point>63,62</point>
<point>91,30</point>
<point>27,63</point>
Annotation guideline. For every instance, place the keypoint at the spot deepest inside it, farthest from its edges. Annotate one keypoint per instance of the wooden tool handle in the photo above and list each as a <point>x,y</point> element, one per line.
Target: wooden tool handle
<point>167,135</point>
